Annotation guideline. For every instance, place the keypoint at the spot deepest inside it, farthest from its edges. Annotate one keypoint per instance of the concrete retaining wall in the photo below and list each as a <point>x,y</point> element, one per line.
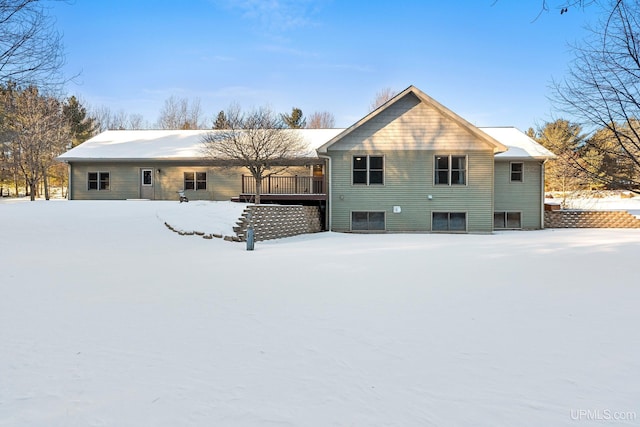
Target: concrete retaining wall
<point>277,221</point>
<point>590,219</point>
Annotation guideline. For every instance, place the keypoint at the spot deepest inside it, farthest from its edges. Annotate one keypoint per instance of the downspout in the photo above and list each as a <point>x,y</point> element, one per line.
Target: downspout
<point>328,181</point>
<point>69,181</point>
<point>542,194</point>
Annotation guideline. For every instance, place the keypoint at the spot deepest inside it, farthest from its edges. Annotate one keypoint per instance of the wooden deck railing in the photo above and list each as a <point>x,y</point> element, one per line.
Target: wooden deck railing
<point>275,184</point>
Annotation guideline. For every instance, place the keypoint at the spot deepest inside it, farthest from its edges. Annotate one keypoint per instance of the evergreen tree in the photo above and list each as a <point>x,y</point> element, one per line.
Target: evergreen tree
<point>221,121</point>
<point>81,126</point>
<point>566,172</point>
<point>295,120</point>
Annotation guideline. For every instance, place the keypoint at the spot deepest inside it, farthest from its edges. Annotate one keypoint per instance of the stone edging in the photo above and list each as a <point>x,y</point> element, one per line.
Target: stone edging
<point>202,234</point>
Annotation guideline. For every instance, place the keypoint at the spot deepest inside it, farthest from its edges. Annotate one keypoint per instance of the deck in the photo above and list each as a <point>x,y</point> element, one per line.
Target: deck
<point>285,188</point>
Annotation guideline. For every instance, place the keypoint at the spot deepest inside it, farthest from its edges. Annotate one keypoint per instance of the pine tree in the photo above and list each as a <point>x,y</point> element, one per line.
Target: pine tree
<point>221,121</point>
<point>295,120</point>
<point>566,172</point>
<point>81,126</point>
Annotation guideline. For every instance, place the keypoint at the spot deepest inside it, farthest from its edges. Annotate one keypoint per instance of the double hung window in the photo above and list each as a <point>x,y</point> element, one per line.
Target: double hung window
<point>195,180</point>
<point>368,170</point>
<point>98,181</point>
<point>517,171</point>
<point>450,170</point>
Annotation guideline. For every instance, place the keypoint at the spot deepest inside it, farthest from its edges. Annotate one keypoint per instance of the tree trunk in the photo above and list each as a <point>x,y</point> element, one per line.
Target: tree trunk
<point>258,190</point>
<point>33,188</point>
<point>45,182</point>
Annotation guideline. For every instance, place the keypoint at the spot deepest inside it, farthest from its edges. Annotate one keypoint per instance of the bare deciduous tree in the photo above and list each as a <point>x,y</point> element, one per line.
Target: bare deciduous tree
<point>38,131</point>
<point>31,50</point>
<point>382,97</point>
<point>120,120</point>
<point>179,113</point>
<point>321,120</point>
<point>602,89</point>
<point>257,140</point>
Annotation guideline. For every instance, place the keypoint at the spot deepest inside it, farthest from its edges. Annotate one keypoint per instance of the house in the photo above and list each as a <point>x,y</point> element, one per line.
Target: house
<point>156,164</point>
<point>412,165</point>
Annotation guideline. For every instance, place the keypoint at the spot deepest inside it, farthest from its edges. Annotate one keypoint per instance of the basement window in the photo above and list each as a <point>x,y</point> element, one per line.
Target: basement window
<point>367,221</point>
<point>449,221</point>
<point>507,220</point>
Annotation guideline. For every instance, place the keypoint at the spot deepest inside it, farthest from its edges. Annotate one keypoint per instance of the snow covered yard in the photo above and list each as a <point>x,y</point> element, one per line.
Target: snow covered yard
<point>109,319</point>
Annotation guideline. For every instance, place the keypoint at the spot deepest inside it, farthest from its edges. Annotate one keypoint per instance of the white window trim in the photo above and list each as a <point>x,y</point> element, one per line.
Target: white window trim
<point>195,180</point>
<point>511,172</point>
<point>384,169</point>
<point>99,180</point>
<point>142,177</point>
<point>449,172</point>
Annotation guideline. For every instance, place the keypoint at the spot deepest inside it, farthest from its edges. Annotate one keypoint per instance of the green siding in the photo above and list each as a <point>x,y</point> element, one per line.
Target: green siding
<point>222,184</point>
<point>408,183</point>
<point>409,134</point>
<point>525,196</point>
<point>409,124</point>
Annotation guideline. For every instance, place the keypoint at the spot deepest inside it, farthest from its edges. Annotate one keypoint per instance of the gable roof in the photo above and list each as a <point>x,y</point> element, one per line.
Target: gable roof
<point>164,144</point>
<point>424,98</point>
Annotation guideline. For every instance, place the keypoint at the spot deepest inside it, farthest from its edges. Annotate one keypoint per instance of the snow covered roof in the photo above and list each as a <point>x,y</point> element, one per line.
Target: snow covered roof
<point>164,144</point>
<point>187,144</point>
<point>519,144</point>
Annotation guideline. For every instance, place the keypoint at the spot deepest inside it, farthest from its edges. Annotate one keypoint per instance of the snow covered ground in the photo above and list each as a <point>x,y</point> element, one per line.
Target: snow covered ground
<point>107,318</point>
<point>605,201</point>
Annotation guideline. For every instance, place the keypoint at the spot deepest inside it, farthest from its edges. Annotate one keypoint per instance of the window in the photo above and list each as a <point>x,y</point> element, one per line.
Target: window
<point>147,177</point>
<point>195,180</point>
<point>98,181</point>
<point>449,221</point>
<point>368,170</point>
<point>507,220</point>
<point>450,170</point>
<point>517,172</point>
<point>367,221</point>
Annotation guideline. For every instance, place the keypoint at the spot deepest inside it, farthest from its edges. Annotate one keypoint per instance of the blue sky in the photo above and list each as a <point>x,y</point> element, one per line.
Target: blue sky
<point>491,62</point>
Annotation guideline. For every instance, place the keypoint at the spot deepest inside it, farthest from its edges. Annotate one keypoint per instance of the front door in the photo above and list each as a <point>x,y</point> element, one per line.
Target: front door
<point>146,184</point>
